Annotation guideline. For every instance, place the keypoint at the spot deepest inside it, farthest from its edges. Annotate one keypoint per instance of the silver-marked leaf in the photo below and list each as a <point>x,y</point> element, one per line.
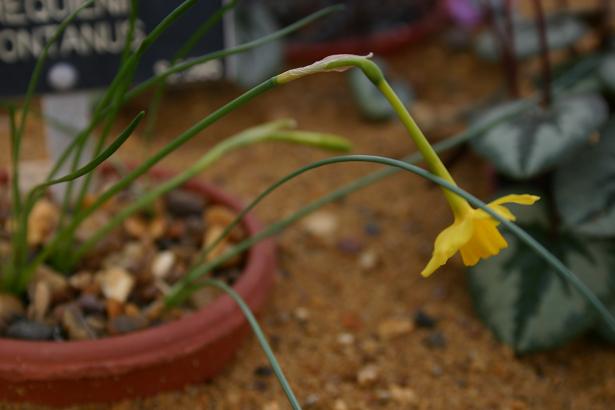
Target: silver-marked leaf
<point>538,139</point>
<point>562,31</point>
<point>585,187</point>
<point>524,301</point>
<point>373,105</point>
<point>606,72</point>
<point>602,328</point>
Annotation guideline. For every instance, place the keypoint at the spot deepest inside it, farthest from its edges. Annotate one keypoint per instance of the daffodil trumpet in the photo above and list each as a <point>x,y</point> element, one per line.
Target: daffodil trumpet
<point>474,233</point>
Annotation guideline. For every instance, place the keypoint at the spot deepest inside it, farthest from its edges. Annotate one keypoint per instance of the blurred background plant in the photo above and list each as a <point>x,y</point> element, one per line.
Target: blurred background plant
<point>562,148</point>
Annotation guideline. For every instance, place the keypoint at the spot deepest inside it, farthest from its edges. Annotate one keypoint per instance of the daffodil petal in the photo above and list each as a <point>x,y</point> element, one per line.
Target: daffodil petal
<point>448,243</point>
<point>521,199</point>
<point>499,209</point>
<point>486,241</point>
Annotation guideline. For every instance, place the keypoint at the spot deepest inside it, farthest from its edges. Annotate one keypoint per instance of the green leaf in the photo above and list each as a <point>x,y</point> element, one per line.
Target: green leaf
<point>539,139</point>
<point>373,105</point>
<point>253,21</point>
<point>606,72</point>
<point>562,31</point>
<point>602,328</point>
<point>584,187</point>
<point>523,301</point>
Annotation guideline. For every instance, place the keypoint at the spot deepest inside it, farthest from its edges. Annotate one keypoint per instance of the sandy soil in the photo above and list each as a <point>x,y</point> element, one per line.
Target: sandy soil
<point>328,317</point>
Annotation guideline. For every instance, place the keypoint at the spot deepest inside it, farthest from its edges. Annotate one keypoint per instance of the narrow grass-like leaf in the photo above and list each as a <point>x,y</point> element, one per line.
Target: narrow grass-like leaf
<point>40,61</point>
<point>37,191</point>
<point>105,106</point>
<point>267,132</point>
<point>178,291</point>
<point>260,336</point>
<point>139,89</point>
<point>194,39</point>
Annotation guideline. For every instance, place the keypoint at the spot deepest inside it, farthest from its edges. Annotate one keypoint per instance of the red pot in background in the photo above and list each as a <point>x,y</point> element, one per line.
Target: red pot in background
<point>190,350</point>
<point>382,42</point>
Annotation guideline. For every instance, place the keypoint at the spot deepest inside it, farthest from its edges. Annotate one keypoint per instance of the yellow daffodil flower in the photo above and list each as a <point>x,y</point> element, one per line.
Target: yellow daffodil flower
<point>474,233</point>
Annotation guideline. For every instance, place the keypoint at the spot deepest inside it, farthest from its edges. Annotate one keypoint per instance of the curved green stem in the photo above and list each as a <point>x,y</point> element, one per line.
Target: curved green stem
<point>260,336</point>
<point>371,70</point>
<point>179,290</point>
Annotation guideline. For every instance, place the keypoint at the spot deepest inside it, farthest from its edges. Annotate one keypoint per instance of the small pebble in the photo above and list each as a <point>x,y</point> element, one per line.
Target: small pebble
<point>154,310</point>
<point>81,280</point>
<point>222,216</point>
<point>57,334</point>
<point>392,328</point>
<point>422,319</point>
<point>10,307</point>
<point>57,283</point>
<point>40,300</point>
<point>435,340</point>
<point>260,385</point>
<point>403,395</point>
<point>368,260</point>
<point>302,314</point>
<point>349,245</point>
<point>345,339</point>
<point>116,283</point>
<point>372,229</point>
<point>311,400</point>
<point>383,396</point>
<point>322,224</point>
<point>370,347</point>
<point>271,406</point>
<point>113,308</point>
<point>126,324</point>
<point>163,264</point>
<point>202,297</point>
<point>183,203</point>
<point>91,304</point>
<point>351,321</point>
<point>76,325</point>
<point>29,330</point>
<point>263,371</point>
<point>340,404</point>
<point>42,221</point>
<point>368,375</point>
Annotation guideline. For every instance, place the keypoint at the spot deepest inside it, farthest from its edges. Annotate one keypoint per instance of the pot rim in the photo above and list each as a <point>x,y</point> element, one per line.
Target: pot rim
<point>383,42</point>
<point>34,360</point>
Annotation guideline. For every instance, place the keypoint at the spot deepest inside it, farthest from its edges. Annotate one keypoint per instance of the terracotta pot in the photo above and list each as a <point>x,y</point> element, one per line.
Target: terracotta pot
<point>384,42</point>
<point>190,350</point>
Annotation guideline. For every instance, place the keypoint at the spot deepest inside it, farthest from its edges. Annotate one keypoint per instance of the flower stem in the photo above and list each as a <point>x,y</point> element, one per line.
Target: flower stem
<point>432,159</point>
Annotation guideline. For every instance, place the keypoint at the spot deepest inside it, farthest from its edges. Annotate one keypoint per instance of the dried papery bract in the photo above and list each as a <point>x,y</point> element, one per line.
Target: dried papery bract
<point>336,62</point>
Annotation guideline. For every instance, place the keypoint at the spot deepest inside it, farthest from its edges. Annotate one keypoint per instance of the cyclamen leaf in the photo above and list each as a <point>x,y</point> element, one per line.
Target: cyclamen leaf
<point>606,72</point>
<point>584,187</point>
<point>539,139</point>
<point>562,31</point>
<point>525,303</point>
